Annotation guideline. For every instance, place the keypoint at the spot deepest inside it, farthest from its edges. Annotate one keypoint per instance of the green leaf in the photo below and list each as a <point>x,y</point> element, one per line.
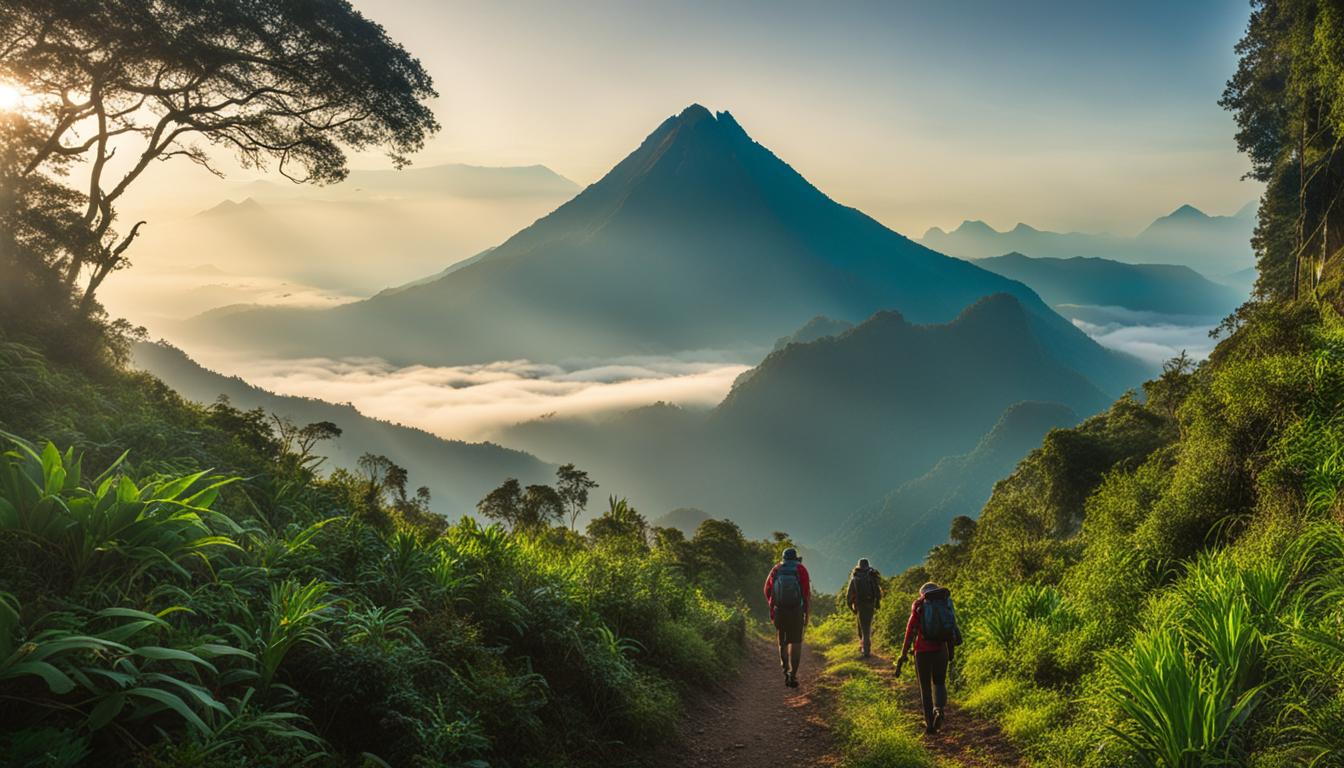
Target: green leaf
<point>174,703</point>
<point>131,613</point>
<point>105,711</point>
<point>57,681</point>
<point>158,653</point>
<point>215,650</point>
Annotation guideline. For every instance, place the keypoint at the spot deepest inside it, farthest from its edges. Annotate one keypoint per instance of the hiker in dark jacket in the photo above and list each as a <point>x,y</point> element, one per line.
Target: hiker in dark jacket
<point>931,611</point>
<point>864,598</point>
<point>788,591</point>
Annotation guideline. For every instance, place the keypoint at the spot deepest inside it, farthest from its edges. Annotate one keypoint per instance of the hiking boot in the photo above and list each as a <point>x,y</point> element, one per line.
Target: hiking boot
<point>792,680</point>
<point>788,679</point>
<point>937,720</point>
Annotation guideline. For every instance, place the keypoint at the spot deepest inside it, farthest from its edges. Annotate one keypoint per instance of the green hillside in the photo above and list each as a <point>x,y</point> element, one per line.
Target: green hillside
<point>178,586</point>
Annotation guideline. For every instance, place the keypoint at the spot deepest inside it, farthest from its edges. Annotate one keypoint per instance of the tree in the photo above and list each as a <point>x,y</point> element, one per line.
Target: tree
<point>1168,391</point>
<point>541,506</point>
<point>382,477</point>
<point>621,523</point>
<point>573,486</point>
<point>1287,97</point>
<point>294,84</point>
<point>504,504</point>
<point>298,442</point>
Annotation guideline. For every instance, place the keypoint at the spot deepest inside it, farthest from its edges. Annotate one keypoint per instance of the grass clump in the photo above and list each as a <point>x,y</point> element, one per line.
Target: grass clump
<point>874,727</point>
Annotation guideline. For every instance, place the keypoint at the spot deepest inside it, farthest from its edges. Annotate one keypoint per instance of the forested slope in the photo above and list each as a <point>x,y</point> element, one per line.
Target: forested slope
<point>179,587</point>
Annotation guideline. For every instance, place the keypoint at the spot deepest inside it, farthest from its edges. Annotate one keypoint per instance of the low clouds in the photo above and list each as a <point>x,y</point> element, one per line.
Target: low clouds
<point>1153,343</point>
<point>473,402</point>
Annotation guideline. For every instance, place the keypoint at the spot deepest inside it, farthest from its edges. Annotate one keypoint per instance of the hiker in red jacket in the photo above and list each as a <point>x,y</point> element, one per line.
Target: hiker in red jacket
<point>788,591</point>
<point>932,628</point>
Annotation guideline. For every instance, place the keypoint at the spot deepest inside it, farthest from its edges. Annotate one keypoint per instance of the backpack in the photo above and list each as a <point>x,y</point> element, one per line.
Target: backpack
<point>864,592</point>
<point>938,621</point>
<point>788,588</point>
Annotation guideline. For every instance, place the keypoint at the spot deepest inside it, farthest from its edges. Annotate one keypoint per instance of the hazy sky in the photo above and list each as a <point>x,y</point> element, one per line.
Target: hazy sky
<point>1091,116</point>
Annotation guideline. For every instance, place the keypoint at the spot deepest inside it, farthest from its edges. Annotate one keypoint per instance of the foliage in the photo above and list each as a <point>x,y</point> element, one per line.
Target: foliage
<point>260,614</point>
<point>1168,595</point>
<point>293,84</point>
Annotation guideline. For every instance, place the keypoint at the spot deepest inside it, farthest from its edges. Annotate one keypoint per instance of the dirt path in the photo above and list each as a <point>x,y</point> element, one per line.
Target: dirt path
<point>756,722</point>
<point>965,739</point>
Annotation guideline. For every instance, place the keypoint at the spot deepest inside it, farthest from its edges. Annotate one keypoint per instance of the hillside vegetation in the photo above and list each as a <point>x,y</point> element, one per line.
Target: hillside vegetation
<point>1161,584</point>
<point>180,586</point>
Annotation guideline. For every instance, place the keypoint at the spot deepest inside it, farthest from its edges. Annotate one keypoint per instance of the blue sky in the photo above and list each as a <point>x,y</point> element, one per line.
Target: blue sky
<point>1088,116</point>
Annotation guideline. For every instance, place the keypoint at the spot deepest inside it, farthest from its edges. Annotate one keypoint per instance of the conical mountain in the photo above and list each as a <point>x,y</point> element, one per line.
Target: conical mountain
<point>700,238</point>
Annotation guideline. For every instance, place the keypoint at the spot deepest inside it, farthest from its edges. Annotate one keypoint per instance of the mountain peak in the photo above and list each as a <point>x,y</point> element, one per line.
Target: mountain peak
<point>1187,211</point>
<point>229,207</point>
<point>974,227</point>
<point>995,310</point>
<point>694,114</point>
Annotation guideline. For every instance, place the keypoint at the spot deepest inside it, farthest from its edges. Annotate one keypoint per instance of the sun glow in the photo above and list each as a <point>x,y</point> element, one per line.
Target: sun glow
<point>10,97</point>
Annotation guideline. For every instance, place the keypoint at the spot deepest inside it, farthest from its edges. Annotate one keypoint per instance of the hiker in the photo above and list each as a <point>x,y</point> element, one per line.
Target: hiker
<point>932,629</point>
<point>864,598</point>
<point>788,591</point>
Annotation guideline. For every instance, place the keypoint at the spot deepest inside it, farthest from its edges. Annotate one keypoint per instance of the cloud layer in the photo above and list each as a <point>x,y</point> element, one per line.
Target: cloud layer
<point>1154,342</point>
<point>474,402</point>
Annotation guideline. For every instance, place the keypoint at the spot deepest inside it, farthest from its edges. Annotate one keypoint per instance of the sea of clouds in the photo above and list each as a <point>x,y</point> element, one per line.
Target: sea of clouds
<point>474,402</point>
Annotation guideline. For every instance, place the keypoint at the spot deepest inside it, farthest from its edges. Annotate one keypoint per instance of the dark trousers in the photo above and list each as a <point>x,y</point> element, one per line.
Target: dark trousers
<point>865,613</point>
<point>789,629</point>
<point>931,669</point>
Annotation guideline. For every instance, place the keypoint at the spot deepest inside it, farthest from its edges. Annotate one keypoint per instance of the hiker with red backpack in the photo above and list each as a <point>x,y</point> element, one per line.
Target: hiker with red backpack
<point>788,591</point>
<point>864,598</point>
<point>932,629</point>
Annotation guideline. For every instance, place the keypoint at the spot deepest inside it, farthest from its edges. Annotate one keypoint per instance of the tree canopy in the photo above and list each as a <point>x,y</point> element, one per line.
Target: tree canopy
<point>1287,97</point>
<point>291,83</point>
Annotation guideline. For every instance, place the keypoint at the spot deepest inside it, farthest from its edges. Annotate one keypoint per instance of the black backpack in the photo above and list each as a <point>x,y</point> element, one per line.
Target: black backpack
<point>865,590</point>
<point>938,621</point>
<point>788,588</point>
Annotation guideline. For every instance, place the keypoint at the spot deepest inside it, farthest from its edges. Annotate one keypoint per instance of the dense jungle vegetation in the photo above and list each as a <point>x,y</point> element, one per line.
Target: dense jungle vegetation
<point>179,586</point>
<point>1163,585</point>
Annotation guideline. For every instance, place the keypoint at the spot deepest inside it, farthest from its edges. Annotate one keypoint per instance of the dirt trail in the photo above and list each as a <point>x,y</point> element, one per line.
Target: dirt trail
<point>756,722</point>
<point>965,739</point>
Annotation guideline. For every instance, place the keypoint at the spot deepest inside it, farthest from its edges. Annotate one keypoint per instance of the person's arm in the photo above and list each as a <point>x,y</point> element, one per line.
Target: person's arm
<point>770,586</point>
<point>851,597</point>
<point>910,625</point>
<point>877,590</point>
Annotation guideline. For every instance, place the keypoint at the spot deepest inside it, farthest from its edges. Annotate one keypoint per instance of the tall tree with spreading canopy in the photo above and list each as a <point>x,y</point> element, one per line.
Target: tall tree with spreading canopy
<point>111,86</point>
<point>1287,97</point>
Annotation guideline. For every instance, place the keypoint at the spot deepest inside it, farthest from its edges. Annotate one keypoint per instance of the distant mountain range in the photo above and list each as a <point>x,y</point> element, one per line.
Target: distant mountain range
<point>283,244</point>
<point>699,239</point>
<point>1211,245</point>
<point>823,427</point>
<point>1161,288</point>
<point>458,474</point>
<point>898,530</point>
